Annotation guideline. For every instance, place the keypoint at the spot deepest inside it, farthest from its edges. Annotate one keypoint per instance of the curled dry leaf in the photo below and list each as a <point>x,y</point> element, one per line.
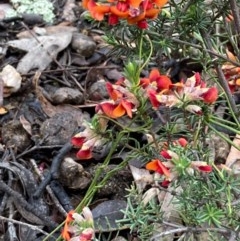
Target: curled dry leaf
<point>150,194</point>
<point>45,47</point>
<point>234,156</point>
<point>142,177</point>
<point>26,124</point>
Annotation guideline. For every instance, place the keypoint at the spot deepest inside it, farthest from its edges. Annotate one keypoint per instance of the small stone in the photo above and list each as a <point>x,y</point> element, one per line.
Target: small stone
<point>97,91</point>
<point>59,129</point>
<point>73,175</point>
<point>67,95</point>
<point>83,44</point>
<point>11,79</point>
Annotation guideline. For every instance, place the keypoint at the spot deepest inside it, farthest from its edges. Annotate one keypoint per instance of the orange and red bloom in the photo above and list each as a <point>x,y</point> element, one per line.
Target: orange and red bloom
<point>122,102</point>
<point>134,11</point>
<point>79,227</point>
<point>174,159</point>
<point>86,141</point>
<point>162,92</point>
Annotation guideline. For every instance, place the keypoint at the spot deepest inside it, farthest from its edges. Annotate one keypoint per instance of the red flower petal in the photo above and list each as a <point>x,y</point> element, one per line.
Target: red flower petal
<point>113,19</point>
<point>114,94</point>
<point>165,183</point>
<point>157,166</point>
<point>78,141</point>
<point>98,11</point>
<point>165,154</point>
<point>114,10</point>
<point>163,82</point>
<point>142,24</point>
<point>182,142</point>
<point>118,111</point>
<point>154,74</point>
<point>84,154</point>
<point>152,166</point>
<point>206,168</point>
<point>135,3</point>
<point>144,82</point>
<point>211,95</point>
<point>112,110</point>
<point>128,107</point>
<point>152,13</point>
<point>160,3</point>
<point>152,97</point>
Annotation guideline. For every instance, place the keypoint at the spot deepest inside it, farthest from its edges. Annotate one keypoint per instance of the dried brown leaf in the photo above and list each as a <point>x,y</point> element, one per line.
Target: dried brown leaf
<point>234,154</point>
<point>26,124</point>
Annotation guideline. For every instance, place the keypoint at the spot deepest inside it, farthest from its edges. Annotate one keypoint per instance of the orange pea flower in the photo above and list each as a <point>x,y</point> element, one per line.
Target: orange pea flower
<point>65,232</point>
<point>87,139</point>
<point>156,80</point>
<point>114,111</point>
<point>96,10</point>
<point>157,166</point>
<point>123,101</point>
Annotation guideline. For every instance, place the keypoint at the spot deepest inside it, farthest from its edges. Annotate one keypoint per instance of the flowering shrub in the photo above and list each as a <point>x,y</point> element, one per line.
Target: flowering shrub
<point>176,153</point>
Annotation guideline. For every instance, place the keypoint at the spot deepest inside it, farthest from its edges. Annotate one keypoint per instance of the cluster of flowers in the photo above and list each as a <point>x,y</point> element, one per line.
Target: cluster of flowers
<point>79,227</point>
<point>134,11</point>
<point>162,91</point>
<point>176,161</point>
<point>158,89</point>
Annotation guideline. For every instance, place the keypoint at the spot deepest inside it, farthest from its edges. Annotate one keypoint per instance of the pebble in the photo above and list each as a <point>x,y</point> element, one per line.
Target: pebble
<point>67,95</point>
<point>83,44</point>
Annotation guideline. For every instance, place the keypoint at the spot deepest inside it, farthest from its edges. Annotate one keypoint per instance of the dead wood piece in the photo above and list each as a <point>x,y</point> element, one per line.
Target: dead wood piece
<point>61,195</point>
<point>53,174</point>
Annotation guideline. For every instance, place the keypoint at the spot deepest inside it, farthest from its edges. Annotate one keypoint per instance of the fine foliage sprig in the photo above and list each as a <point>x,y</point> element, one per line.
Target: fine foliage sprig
<point>167,122</point>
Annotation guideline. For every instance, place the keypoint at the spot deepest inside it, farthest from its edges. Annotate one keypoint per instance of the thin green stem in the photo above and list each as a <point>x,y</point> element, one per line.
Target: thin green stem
<point>150,53</point>
<point>224,126</point>
<point>140,46</point>
<point>223,121</point>
<point>93,188</point>
<point>196,134</point>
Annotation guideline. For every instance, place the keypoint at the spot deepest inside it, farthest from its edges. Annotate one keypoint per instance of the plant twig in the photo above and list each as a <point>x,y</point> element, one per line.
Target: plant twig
<point>17,196</point>
<point>53,174</point>
<point>33,227</point>
<point>235,13</point>
<point>179,228</point>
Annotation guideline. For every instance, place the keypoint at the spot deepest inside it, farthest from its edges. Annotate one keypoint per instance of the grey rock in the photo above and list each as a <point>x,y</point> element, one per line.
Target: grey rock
<point>83,44</point>
<point>73,175</point>
<point>14,135</point>
<point>59,129</point>
<point>67,95</point>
